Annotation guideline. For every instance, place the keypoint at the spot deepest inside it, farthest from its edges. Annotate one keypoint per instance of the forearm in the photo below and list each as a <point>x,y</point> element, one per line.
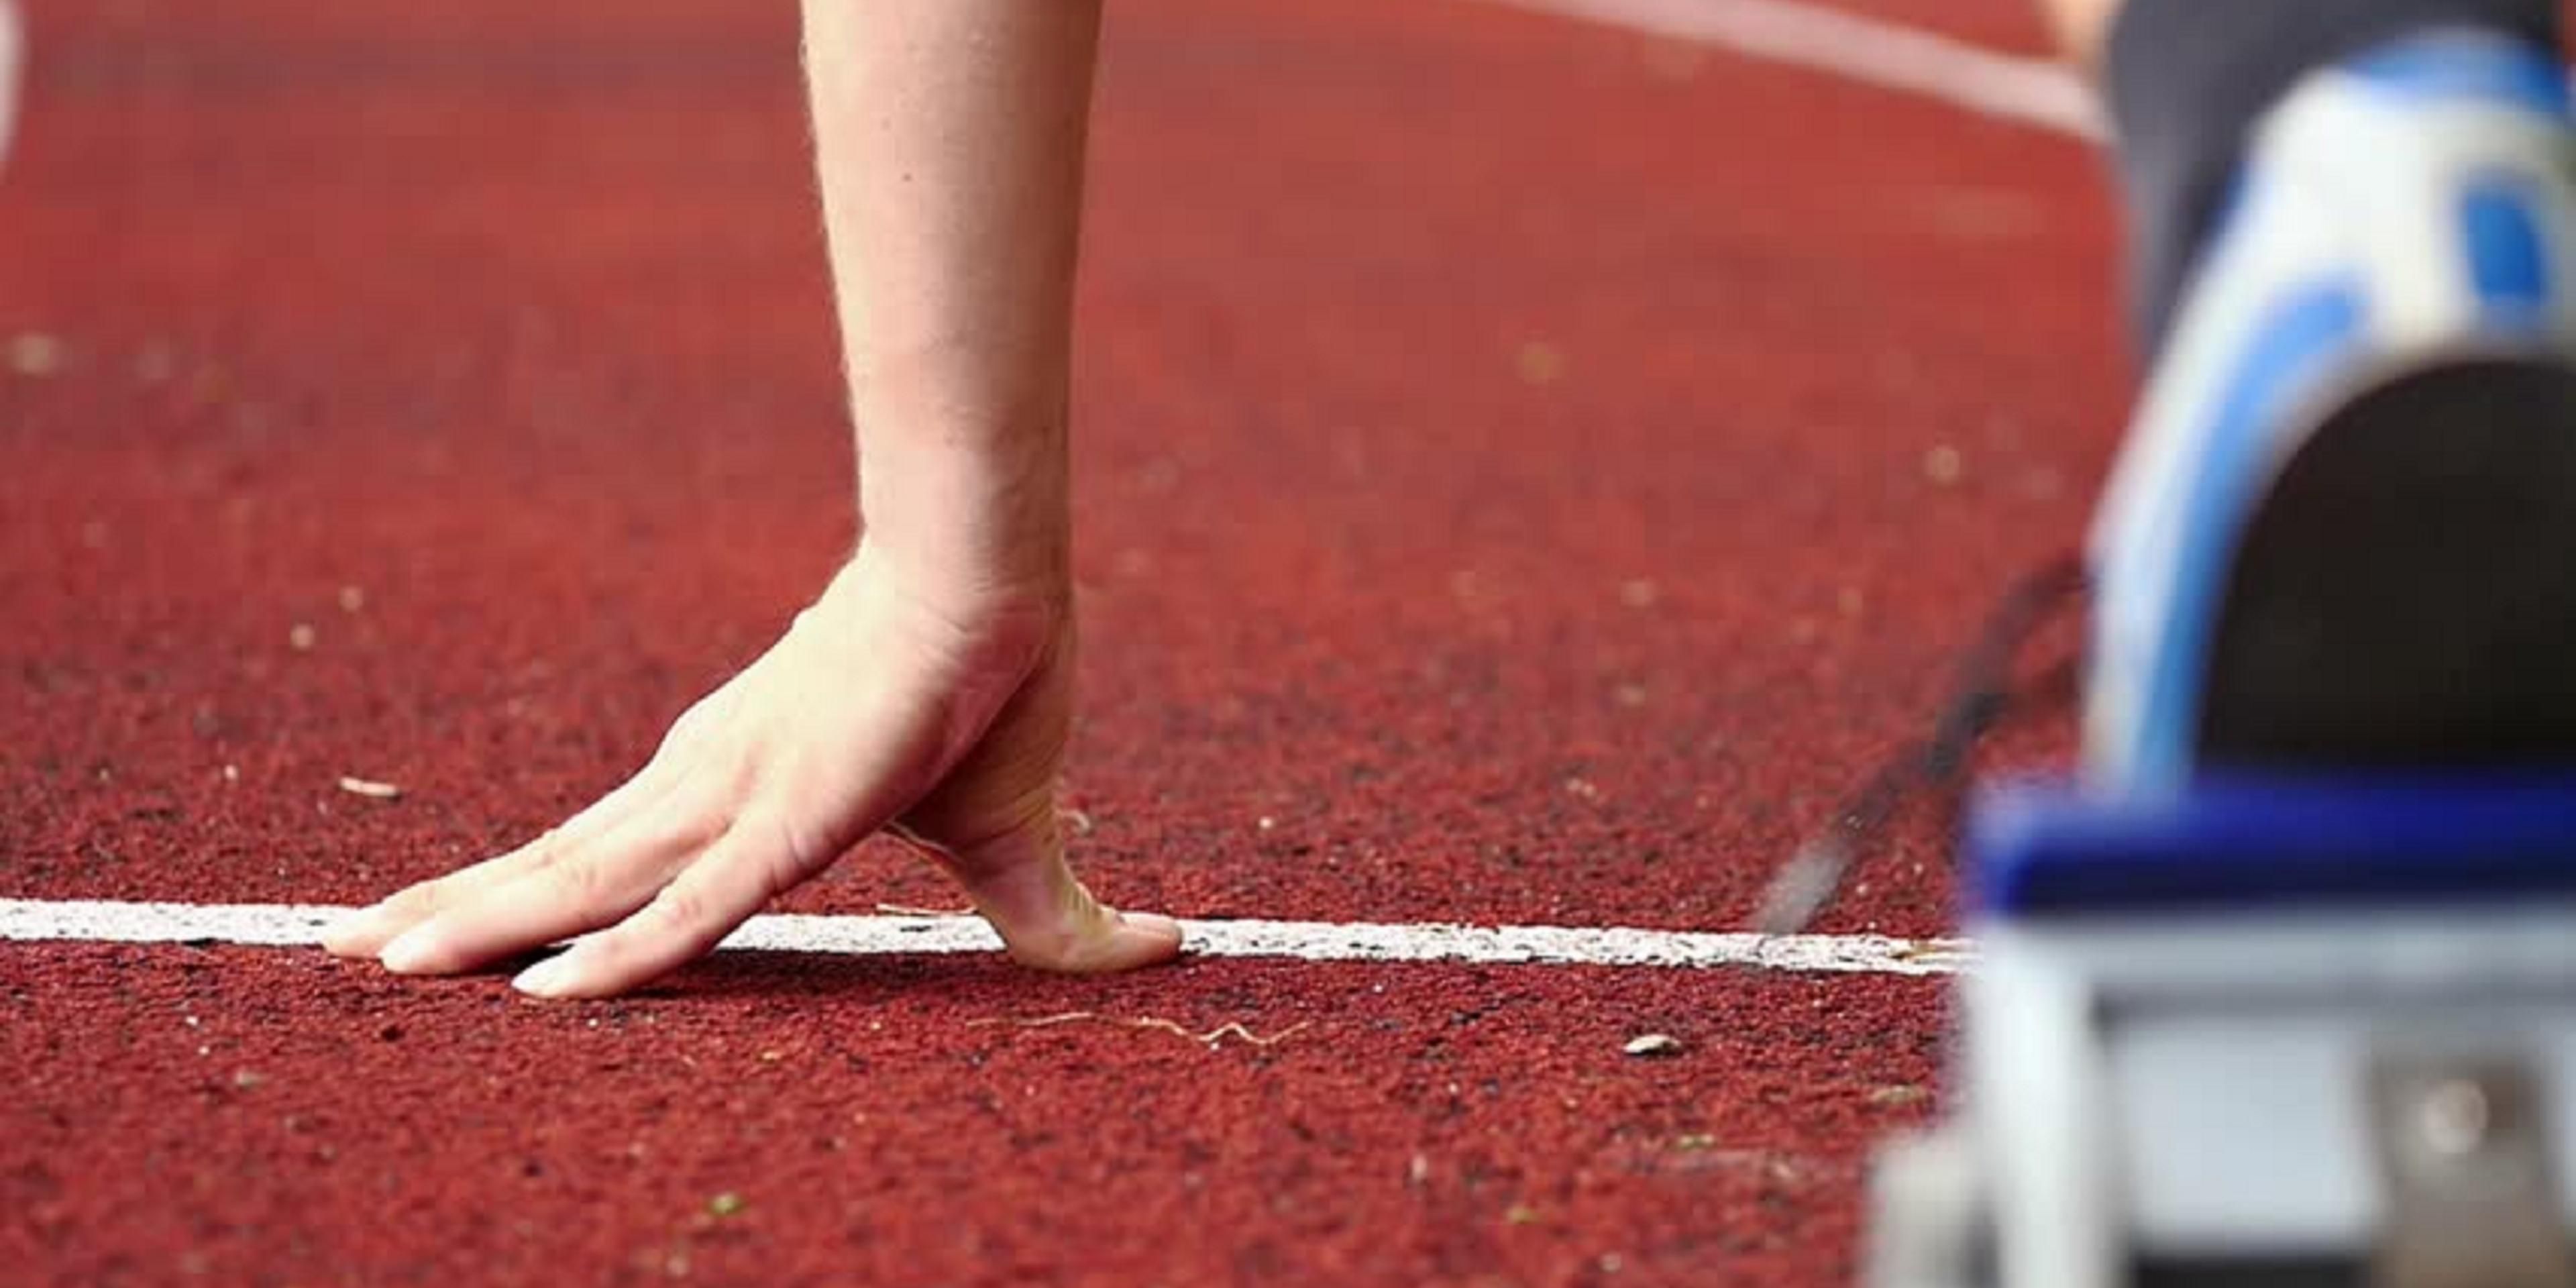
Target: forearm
<point>949,138</point>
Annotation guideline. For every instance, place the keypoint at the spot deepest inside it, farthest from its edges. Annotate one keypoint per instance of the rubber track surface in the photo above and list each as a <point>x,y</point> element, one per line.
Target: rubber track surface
<point>1525,475</point>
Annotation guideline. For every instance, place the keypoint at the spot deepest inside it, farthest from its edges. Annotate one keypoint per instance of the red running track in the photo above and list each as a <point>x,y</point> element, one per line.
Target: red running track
<point>1515,486</point>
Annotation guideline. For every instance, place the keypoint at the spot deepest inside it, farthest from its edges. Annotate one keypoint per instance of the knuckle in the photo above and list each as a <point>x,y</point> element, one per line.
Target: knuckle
<point>690,826</point>
<point>419,898</point>
<point>545,849</point>
<point>679,909</point>
<point>427,898</point>
<point>577,885</point>
<point>684,734</point>
<point>793,850</point>
<point>700,721</point>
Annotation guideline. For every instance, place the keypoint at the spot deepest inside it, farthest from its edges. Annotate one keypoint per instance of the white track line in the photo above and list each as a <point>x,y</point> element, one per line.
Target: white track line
<point>2032,91</point>
<point>2029,91</point>
<point>1315,941</point>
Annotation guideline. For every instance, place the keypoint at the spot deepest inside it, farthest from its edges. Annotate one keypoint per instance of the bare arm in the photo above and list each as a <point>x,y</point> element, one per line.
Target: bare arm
<point>949,136</point>
<point>928,690</point>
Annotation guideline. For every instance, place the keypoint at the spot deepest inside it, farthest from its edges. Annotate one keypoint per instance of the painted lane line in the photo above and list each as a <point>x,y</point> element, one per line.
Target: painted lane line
<point>297,925</point>
<point>2032,91</point>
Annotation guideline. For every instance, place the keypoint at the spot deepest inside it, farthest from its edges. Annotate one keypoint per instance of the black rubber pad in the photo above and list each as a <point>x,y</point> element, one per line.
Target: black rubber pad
<point>2407,593</point>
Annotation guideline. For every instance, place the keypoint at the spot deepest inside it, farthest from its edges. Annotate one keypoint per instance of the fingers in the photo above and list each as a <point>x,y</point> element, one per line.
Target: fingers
<point>587,888</point>
<point>772,777</point>
<point>685,921</point>
<point>668,896</point>
<point>369,930</point>
<point>541,908</point>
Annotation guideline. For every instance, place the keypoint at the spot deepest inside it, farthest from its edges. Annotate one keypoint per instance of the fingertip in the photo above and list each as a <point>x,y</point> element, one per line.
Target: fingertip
<point>355,934</point>
<point>416,951</point>
<point>368,931</point>
<point>555,977</point>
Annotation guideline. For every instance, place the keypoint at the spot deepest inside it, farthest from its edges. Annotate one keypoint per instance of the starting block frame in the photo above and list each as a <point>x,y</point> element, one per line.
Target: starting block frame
<point>2267,1032</point>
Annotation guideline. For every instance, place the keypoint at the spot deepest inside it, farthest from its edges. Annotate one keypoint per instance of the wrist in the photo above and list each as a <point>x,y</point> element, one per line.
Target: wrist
<point>988,515</point>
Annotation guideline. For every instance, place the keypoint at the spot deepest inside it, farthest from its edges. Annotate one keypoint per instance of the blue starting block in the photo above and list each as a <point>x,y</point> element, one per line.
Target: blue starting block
<point>2269,1031</point>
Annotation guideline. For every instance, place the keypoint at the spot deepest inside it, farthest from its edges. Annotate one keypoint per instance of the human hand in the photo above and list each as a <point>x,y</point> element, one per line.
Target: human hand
<point>910,702</point>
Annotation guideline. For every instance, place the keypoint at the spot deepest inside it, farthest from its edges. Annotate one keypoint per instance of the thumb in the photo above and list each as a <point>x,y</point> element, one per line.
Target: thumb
<point>1021,883</point>
<point>992,824</point>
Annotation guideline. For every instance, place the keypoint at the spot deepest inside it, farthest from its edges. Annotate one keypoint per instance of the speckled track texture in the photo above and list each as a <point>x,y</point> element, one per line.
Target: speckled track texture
<point>1527,471</point>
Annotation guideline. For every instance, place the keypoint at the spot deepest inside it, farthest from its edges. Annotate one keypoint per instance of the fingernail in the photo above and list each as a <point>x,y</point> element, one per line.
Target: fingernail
<point>548,978</point>
<point>411,951</point>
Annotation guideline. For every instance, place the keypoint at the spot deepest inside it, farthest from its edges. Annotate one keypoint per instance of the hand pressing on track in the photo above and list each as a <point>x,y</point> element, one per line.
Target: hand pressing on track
<point>927,692</point>
<point>891,705</point>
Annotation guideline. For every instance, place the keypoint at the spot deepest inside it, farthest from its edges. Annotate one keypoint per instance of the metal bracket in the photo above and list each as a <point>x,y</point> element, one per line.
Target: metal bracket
<point>2463,1146</point>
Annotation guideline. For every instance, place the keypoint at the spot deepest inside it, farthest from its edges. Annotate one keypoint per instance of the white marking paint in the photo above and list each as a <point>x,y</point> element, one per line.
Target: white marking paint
<point>292,925</point>
<point>2031,91</point>
<point>2025,90</point>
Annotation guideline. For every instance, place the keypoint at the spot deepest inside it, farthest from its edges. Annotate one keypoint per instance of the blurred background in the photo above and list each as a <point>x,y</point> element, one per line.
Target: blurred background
<point>1527,470</point>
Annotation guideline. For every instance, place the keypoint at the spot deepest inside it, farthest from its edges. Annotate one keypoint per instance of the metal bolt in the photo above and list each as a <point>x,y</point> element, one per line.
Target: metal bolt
<point>2455,1117</point>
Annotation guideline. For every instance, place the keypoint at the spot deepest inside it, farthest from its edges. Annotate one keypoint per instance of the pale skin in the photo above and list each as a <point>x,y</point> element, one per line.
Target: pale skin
<point>927,692</point>
<point>929,689</point>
